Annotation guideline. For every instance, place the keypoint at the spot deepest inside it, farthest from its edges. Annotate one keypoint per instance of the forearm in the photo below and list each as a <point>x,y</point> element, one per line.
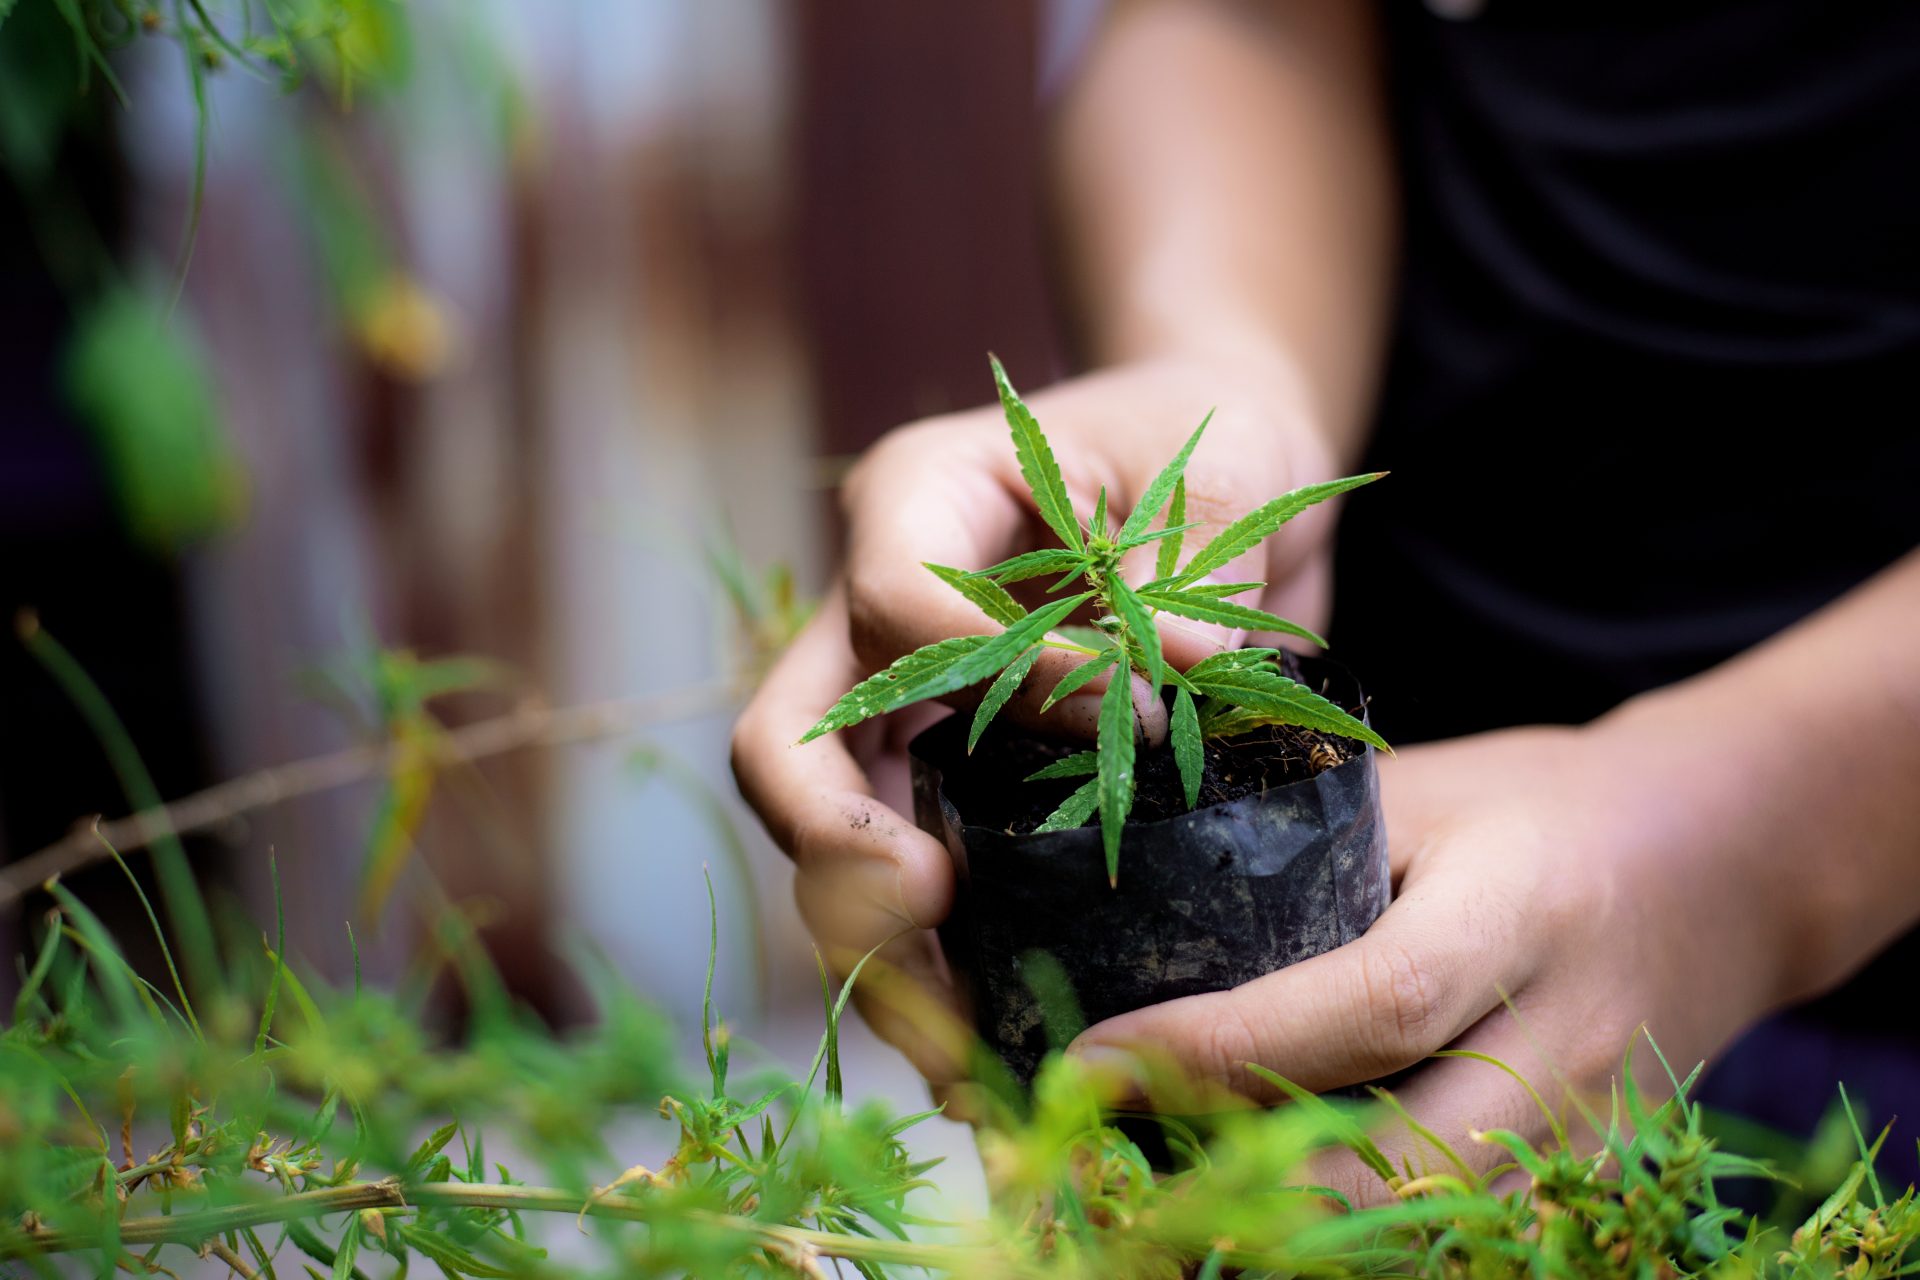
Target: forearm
<point>1800,762</point>
<point>1224,186</point>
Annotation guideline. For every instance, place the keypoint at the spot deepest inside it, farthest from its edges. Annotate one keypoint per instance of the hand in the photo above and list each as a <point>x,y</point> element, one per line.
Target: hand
<point>949,491</point>
<point>1571,872</point>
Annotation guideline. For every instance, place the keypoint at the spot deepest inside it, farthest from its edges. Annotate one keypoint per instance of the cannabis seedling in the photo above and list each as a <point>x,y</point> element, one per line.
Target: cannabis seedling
<point>1224,695</point>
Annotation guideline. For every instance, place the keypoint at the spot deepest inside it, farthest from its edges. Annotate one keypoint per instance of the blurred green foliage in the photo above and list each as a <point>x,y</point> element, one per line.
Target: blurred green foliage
<point>237,1108</point>
<point>144,389</point>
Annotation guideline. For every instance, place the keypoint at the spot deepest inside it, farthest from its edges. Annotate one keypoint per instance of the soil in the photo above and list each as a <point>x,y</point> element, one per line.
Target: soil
<point>991,790</point>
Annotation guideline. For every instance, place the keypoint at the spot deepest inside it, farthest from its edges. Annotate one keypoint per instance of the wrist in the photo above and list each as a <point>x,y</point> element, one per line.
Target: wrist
<point>1718,810</point>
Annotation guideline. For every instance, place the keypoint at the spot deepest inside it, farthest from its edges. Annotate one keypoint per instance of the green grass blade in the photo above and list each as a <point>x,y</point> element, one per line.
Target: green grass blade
<point>186,912</point>
<point>712,1039</point>
<point>43,965</point>
<point>279,962</point>
<point>159,934</point>
<point>1036,462</point>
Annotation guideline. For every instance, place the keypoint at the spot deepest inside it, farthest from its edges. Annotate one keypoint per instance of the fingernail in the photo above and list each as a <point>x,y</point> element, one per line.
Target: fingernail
<point>1115,1068</point>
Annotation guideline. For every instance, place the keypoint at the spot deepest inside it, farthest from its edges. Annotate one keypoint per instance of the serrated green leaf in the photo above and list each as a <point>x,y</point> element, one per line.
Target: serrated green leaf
<point>1226,613</point>
<point>1115,778</point>
<point>1078,677</point>
<point>1233,660</point>
<point>1172,532</point>
<point>1097,527</point>
<point>1140,628</point>
<point>1168,561</point>
<point>1085,637</point>
<point>1285,701</point>
<point>1036,462</point>
<point>985,592</point>
<point>1002,689</point>
<point>349,1250</point>
<point>1171,477</point>
<point>898,685</point>
<point>1081,764</point>
<point>1264,521</point>
<point>1189,752</point>
<point>1033,564</point>
<point>427,1150</point>
<point>1074,810</point>
<point>454,1258</point>
<point>941,668</point>
<point>1212,590</point>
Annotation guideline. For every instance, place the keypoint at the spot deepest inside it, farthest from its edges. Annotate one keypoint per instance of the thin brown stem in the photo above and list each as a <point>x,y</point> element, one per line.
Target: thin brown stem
<point>232,1259</point>
<point>531,725</point>
<point>196,1228</point>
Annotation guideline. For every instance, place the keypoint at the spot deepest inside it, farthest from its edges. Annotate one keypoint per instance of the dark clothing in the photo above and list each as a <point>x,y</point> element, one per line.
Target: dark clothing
<point>1651,391</point>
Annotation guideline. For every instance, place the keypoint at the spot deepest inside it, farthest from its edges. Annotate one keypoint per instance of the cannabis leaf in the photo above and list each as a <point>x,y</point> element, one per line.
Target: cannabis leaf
<point>1283,700</point>
<point>985,592</point>
<point>1189,753</point>
<point>1140,629</point>
<point>941,668</point>
<point>1074,810</point>
<point>1115,778</point>
<point>1263,522</point>
<point>1033,564</point>
<point>1169,555</point>
<point>1162,487</point>
<point>998,693</point>
<point>1079,676</point>
<point>1221,696</point>
<point>1081,764</point>
<point>1202,608</point>
<point>1036,462</point>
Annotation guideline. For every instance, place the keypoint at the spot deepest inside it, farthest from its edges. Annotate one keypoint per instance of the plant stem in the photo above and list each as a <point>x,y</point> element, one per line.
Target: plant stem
<point>199,1226</point>
<point>528,726</point>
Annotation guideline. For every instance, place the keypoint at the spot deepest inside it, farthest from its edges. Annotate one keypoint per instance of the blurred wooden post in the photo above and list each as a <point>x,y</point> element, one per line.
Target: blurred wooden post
<point>919,161</point>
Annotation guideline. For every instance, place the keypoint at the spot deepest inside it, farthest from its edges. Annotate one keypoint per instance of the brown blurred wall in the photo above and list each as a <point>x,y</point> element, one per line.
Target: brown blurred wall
<point>918,237</point>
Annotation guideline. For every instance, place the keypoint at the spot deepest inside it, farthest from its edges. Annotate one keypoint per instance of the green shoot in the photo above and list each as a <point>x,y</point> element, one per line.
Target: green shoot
<point>1224,696</point>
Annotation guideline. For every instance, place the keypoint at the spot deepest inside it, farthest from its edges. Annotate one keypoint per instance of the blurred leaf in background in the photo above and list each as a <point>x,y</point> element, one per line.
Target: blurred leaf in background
<point>142,383</point>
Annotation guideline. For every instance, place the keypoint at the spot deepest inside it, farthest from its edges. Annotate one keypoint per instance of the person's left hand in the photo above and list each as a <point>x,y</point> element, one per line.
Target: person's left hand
<point>1572,872</point>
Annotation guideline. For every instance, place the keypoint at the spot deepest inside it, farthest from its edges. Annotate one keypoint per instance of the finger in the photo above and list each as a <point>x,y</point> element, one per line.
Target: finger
<point>951,493</point>
<point>815,799</point>
<point>1457,1101</point>
<point>1426,970</point>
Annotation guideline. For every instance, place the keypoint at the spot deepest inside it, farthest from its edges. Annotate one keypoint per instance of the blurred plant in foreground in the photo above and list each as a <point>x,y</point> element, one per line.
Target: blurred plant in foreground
<point>232,1108</point>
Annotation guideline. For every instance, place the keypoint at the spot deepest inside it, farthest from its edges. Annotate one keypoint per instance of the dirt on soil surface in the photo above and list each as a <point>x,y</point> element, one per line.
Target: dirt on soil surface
<point>990,789</point>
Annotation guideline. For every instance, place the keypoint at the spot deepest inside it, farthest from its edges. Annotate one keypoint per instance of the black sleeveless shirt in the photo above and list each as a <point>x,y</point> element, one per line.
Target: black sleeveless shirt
<point>1654,386</point>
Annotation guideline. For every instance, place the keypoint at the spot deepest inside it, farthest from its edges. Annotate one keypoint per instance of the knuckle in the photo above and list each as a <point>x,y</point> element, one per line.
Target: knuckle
<point>1403,1005</point>
<point>870,627</point>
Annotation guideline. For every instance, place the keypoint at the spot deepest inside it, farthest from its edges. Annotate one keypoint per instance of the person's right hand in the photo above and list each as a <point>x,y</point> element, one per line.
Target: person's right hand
<point>949,491</point>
